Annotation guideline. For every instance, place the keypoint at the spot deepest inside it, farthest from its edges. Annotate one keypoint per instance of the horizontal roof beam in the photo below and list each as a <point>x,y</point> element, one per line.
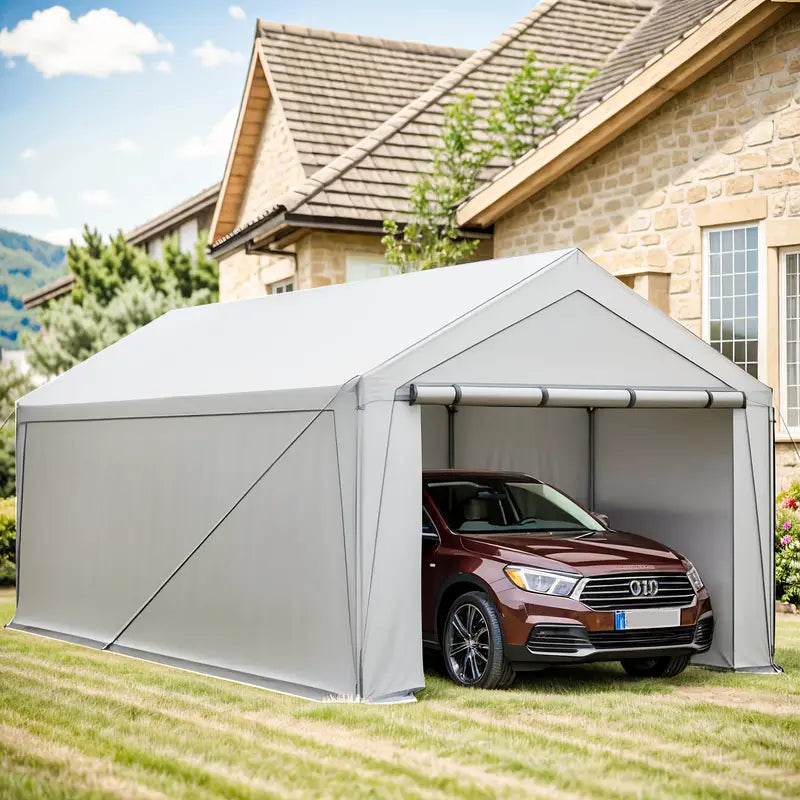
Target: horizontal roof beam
<point>570,397</point>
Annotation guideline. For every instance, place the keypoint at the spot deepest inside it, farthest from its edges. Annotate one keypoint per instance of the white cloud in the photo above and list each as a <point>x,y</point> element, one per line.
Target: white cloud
<point>215,143</point>
<point>98,198</point>
<point>237,12</point>
<point>127,146</point>
<point>28,204</point>
<point>97,44</point>
<point>162,66</point>
<point>28,152</point>
<point>63,236</point>
<point>212,56</point>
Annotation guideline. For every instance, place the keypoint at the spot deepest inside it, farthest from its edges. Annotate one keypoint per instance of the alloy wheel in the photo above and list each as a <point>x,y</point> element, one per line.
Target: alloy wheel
<point>468,648</point>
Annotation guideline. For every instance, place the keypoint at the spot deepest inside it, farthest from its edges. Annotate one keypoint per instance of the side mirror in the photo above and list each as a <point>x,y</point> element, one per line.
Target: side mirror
<point>601,518</point>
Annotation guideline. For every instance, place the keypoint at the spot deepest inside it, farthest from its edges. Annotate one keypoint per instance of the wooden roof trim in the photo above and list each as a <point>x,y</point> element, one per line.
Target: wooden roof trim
<point>252,110</point>
<point>713,41</point>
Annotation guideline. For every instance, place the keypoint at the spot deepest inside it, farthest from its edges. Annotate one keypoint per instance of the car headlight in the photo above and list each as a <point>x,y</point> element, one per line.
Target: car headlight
<point>541,581</point>
<point>694,576</point>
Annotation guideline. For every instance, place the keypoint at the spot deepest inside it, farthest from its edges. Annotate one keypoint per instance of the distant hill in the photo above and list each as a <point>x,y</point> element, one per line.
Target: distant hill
<point>26,263</point>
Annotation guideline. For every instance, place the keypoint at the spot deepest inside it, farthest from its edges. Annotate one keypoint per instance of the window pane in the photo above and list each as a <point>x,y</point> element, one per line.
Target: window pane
<point>726,260</point>
<point>791,345</point>
<point>732,268</point>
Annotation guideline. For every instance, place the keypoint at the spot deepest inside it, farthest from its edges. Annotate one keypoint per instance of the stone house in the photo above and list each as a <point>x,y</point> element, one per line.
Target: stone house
<point>679,170</point>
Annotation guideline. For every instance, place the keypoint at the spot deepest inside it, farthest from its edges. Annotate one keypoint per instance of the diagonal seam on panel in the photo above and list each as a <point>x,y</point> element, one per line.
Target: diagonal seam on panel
<point>213,529</point>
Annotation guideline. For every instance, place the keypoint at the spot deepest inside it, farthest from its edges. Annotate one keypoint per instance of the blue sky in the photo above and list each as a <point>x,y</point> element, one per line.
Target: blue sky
<point>82,141</point>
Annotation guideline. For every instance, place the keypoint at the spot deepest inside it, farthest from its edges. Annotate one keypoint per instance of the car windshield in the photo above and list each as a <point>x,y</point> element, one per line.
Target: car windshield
<point>493,505</point>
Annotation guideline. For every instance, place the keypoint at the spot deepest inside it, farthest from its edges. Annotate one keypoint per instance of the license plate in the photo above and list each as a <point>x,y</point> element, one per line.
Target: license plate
<point>647,618</point>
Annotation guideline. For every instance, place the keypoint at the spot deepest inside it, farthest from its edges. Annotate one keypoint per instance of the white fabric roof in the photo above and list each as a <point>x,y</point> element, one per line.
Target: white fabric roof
<point>314,338</point>
<point>296,350</point>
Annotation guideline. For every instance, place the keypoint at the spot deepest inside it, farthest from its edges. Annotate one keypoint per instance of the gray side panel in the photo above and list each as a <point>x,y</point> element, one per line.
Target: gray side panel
<point>549,443</point>
<point>669,475</point>
<point>753,539</point>
<point>392,660</point>
<point>266,594</point>
<point>111,507</point>
<point>434,437</point>
<point>597,348</point>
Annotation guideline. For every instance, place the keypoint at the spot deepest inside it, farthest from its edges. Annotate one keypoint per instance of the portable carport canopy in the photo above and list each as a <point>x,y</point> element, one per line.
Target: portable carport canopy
<point>235,488</point>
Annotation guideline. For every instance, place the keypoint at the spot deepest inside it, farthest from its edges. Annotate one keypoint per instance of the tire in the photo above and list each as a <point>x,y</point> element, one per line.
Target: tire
<point>472,644</point>
<point>664,667</point>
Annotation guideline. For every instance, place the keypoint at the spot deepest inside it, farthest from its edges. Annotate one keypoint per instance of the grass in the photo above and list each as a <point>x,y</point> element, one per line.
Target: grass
<point>76,723</point>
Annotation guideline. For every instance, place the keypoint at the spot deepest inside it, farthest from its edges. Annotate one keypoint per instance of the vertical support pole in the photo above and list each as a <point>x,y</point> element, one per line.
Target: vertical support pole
<point>590,412</point>
<point>451,436</point>
<point>774,487</point>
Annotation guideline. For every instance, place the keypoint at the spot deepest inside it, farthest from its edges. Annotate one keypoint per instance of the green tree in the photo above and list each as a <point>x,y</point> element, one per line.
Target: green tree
<point>13,384</point>
<point>526,109</point>
<point>117,289</point>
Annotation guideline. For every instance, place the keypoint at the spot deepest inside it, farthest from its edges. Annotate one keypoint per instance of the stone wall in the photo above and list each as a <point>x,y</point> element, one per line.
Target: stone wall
<point>724,151</point>
<point>322,256</point>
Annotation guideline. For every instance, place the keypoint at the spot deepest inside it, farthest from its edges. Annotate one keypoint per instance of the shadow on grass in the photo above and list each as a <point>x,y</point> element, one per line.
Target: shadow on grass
<point>592,678</point>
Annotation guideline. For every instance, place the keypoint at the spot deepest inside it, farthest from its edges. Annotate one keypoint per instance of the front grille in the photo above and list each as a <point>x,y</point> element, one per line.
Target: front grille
<point>704,633</point>
<point>646,637</point>
<point>558,638</point>
<point>613,592</point>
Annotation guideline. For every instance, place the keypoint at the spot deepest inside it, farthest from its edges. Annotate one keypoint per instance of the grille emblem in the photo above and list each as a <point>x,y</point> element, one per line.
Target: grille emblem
<point>644,588</point>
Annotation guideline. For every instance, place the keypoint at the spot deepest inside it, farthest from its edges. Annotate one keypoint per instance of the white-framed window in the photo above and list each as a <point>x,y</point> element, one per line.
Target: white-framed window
<point>362,268</point>
<point>281,287</point>
<point>790,336</point>
<point>734,296</point>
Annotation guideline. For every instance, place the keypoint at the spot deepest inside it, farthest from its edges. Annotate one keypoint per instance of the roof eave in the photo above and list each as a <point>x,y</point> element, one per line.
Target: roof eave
<point>679,66</point>
<point>266,231</point>
<point>169,219</point>
<point>50,291</point>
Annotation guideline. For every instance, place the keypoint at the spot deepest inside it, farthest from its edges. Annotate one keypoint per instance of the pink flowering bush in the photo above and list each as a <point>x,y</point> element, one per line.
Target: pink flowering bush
<point>787,545</point>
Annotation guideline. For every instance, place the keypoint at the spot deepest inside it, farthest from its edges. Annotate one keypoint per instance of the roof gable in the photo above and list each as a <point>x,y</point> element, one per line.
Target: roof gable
<point>371,180</point>
<point>332,89</point>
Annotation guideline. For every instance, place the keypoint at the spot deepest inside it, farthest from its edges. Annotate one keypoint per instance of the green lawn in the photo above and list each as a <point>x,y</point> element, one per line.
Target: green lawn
<point>82,724</point>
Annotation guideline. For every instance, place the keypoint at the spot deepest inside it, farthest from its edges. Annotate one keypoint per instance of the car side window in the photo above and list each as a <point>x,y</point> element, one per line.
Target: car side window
<point>428,529</point>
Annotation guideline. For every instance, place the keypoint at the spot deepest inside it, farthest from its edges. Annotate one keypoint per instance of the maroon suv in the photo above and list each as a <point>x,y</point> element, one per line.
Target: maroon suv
<point>516,576</point>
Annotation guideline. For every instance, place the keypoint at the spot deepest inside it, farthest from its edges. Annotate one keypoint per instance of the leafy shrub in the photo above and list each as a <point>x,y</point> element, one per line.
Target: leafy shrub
<point>787,545</point>
<point>8,539</point>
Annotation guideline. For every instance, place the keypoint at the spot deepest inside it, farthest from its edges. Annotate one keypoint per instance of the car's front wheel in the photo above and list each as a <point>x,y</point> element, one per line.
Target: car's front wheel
<point>664,667</point>
<point>473,644</point>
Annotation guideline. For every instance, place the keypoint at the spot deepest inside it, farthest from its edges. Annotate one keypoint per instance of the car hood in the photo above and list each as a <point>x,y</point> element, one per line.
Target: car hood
<point>601,552</point>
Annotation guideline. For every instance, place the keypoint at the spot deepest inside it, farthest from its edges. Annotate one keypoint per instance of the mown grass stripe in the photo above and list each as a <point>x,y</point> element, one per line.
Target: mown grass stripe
<point>302,759</point>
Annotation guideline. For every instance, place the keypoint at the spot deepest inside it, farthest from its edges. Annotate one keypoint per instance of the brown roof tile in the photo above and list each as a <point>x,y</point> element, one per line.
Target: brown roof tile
<point>337,87</point>
<point>668,22</point>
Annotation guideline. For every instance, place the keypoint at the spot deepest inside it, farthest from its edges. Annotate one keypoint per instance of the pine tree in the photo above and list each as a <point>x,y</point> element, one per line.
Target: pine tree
<point>117,289</point>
